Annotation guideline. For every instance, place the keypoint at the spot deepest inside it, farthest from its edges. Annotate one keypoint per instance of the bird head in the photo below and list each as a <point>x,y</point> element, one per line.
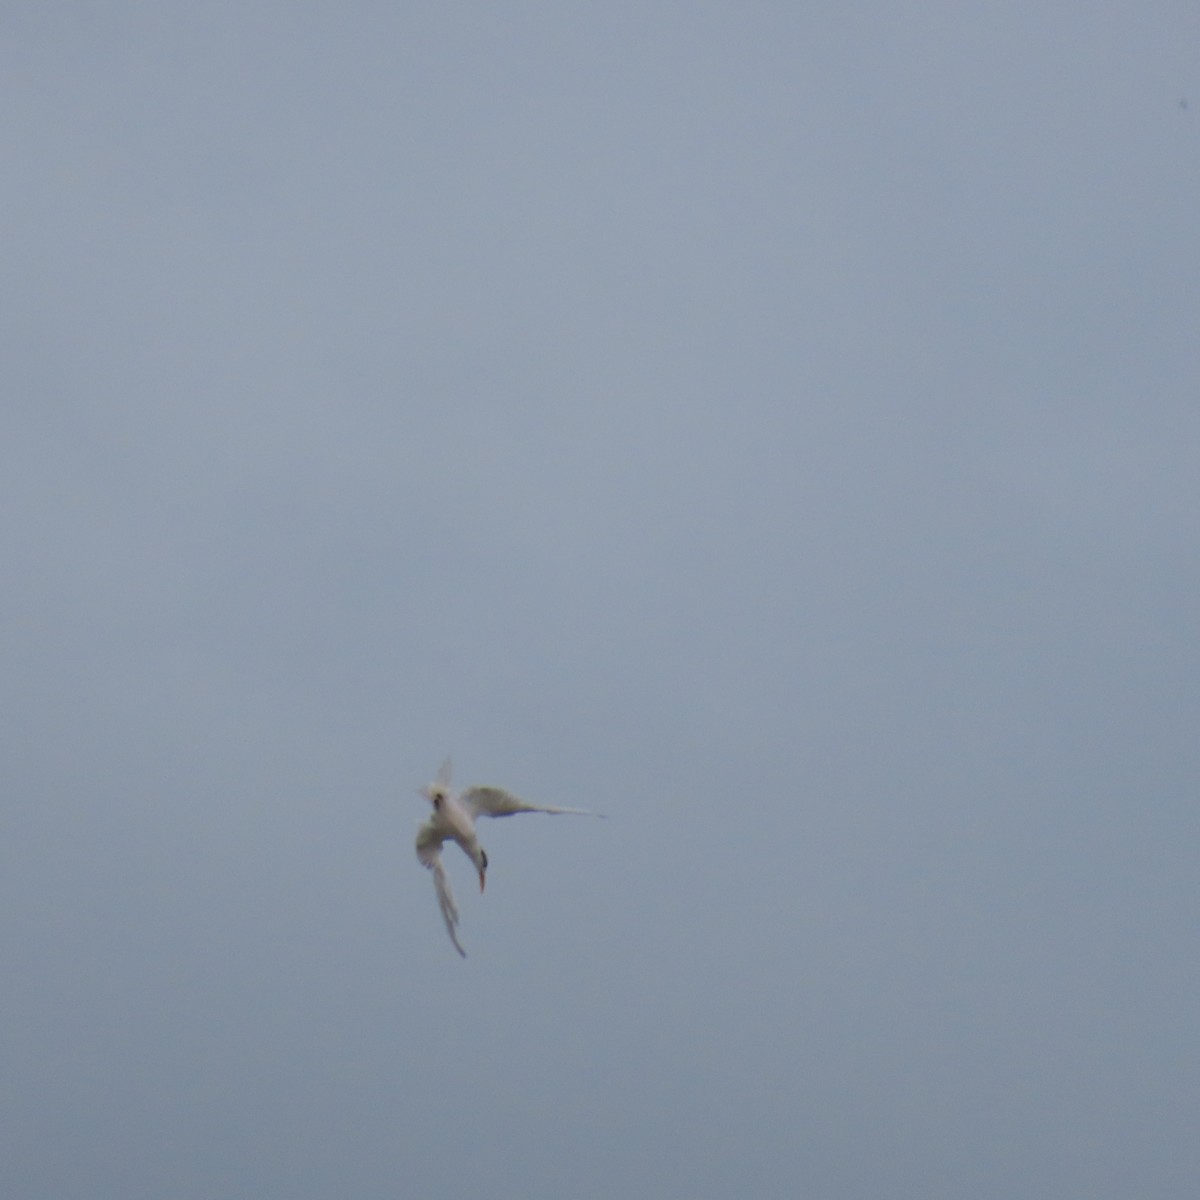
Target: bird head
<point>481,867</point>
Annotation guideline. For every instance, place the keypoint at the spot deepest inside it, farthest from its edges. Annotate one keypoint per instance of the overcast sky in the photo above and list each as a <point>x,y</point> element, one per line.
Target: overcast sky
<point>772,424</point>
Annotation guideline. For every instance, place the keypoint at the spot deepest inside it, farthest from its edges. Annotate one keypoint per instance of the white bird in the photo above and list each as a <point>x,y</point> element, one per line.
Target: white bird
<point>453,819</point>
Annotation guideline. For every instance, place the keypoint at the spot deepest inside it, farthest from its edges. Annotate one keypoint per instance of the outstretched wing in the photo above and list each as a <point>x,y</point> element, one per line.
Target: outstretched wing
<point>429,851</point>
<point>496,802</point>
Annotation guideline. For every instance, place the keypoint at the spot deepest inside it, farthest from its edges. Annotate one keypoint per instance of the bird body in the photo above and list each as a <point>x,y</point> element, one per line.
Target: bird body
<point>453,819</point>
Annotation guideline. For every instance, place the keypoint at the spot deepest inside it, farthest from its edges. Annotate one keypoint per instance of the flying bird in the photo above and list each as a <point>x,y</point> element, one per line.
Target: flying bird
<point>453,819</point>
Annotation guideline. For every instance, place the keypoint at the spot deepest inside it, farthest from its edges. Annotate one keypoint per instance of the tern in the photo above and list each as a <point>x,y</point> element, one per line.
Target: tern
<point>453,819</point>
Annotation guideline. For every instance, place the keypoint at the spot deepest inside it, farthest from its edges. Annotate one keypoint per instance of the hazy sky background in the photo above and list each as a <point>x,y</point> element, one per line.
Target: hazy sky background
<point>772,424</point>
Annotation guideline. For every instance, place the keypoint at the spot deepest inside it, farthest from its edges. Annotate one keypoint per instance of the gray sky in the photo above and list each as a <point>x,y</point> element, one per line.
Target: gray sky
<point>773,425</point>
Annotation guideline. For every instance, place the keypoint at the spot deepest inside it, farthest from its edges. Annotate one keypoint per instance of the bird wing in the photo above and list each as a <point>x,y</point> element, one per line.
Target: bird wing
<point>496,802</point>
<point>429,852</point>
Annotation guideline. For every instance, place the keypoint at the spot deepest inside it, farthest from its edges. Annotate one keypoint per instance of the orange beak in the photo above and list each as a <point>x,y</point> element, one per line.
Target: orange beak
<point>481,880</point>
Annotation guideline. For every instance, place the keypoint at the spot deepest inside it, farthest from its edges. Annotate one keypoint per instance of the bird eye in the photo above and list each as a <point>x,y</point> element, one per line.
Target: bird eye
<point>483,858</point>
